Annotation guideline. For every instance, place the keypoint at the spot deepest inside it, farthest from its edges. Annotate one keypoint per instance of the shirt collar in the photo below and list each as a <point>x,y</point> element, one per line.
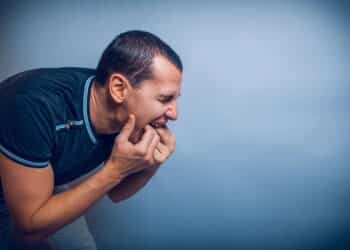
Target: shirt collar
<point>86,108</point>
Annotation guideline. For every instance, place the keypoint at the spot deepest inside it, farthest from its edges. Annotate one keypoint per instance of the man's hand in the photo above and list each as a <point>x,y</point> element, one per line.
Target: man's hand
<point>134,182</point>
<point>166,145</point>
<point>126,157</point>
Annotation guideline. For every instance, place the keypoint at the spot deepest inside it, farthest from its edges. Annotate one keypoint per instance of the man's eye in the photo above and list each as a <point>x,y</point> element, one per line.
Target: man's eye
<point>166,99</point>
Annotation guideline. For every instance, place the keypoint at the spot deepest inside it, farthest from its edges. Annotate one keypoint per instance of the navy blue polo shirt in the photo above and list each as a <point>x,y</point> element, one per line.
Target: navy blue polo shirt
<point>44,118</point>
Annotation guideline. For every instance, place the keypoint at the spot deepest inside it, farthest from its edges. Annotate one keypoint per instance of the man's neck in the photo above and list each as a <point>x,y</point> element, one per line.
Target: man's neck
<point>103,120</point>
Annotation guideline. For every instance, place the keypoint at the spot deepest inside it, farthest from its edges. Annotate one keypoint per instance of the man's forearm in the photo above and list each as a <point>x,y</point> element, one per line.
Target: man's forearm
<point>63,208</point>
<point>131,185</point>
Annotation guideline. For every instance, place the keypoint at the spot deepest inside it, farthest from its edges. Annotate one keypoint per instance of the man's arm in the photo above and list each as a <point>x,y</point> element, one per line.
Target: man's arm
<point>38,213</point>
<point>131,184</point>
<point>28,191</point>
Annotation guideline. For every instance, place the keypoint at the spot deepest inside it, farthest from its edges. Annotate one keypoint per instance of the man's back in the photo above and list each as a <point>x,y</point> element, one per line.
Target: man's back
<point>45,118</point>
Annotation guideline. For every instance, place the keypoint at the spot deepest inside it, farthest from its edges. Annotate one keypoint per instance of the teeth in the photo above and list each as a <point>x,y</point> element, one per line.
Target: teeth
<point>155,125</point>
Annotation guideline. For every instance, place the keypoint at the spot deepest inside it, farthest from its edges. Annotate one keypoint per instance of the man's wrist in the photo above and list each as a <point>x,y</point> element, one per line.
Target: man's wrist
<point>109,175</point>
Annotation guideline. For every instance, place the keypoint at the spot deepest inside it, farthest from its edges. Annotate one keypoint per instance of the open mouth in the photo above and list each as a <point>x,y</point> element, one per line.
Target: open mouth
<point>158,125</point>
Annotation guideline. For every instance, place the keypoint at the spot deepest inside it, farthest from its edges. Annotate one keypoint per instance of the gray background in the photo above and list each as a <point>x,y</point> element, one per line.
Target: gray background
<point>263,136</point>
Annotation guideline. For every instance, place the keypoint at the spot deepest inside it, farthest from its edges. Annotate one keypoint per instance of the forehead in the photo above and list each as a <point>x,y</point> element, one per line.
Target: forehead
<point>166,78</point>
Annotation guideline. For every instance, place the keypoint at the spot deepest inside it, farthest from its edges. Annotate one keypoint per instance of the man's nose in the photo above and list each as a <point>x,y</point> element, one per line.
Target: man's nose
<point>172,111</point>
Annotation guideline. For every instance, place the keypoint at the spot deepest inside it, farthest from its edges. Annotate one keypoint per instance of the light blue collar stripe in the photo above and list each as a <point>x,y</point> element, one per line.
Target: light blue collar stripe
<point>85,109</point>
<point>21,160</point>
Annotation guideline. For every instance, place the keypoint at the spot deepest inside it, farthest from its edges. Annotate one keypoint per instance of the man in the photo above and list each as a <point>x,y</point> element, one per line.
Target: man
<point>59,124</point>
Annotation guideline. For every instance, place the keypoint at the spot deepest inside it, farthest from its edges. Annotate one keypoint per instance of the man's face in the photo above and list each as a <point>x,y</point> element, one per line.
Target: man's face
<point>154,102</point>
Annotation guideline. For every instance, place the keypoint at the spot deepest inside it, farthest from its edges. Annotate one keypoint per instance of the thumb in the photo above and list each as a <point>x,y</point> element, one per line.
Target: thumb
<point>128,128</point>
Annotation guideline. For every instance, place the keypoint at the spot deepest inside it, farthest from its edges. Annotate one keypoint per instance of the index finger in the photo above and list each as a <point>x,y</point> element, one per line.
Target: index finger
<point>166,136</point>
<point>146,138</point>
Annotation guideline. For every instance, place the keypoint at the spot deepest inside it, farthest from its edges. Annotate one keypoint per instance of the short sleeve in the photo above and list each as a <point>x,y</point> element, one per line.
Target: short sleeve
<point>27,131</point>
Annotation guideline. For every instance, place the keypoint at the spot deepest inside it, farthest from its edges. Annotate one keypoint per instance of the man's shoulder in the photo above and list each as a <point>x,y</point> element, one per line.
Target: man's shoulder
<point>69,75</point>
<point>36,80</point>
<point>46,87</point>
<point>77,70</point>
<point>47,74</point>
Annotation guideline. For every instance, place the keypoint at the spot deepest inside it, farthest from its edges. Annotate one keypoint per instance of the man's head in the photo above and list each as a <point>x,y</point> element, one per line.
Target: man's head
<point>131,54</point>
<point>142,75</point>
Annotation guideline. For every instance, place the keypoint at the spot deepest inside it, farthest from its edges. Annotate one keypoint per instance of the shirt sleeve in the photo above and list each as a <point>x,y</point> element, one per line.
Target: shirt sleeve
<point>26,131</point>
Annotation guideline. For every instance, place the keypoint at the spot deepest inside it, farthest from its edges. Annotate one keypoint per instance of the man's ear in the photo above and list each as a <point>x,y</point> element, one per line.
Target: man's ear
<point>118,86</point>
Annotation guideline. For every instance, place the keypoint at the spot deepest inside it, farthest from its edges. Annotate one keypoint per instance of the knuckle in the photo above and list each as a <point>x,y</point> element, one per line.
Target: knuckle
<point>141,151</point>
<point>146,158</point>
<point>157,139</point>
<point>118,140</point>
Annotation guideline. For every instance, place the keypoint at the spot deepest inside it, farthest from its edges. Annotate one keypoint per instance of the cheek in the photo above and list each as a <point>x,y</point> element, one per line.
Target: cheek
<point>150,113</point>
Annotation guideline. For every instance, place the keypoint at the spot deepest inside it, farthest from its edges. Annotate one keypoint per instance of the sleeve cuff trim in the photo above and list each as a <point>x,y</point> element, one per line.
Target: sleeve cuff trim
<point>21,160</point>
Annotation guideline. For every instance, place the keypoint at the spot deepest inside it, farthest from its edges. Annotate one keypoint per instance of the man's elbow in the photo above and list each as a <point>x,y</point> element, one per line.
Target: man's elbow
<point>29,234</point>
<point>31,240</point>
<point>34,237</point>
<point>113,198</point>
<point>116,198</point>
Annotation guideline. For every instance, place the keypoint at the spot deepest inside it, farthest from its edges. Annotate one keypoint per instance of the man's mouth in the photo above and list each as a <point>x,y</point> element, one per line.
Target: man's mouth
<point>137,134</point>
<point>158,125</point>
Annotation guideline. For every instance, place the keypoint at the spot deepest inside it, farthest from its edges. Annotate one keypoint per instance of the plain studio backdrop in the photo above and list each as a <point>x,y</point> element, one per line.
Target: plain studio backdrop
<point>262,157</point>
